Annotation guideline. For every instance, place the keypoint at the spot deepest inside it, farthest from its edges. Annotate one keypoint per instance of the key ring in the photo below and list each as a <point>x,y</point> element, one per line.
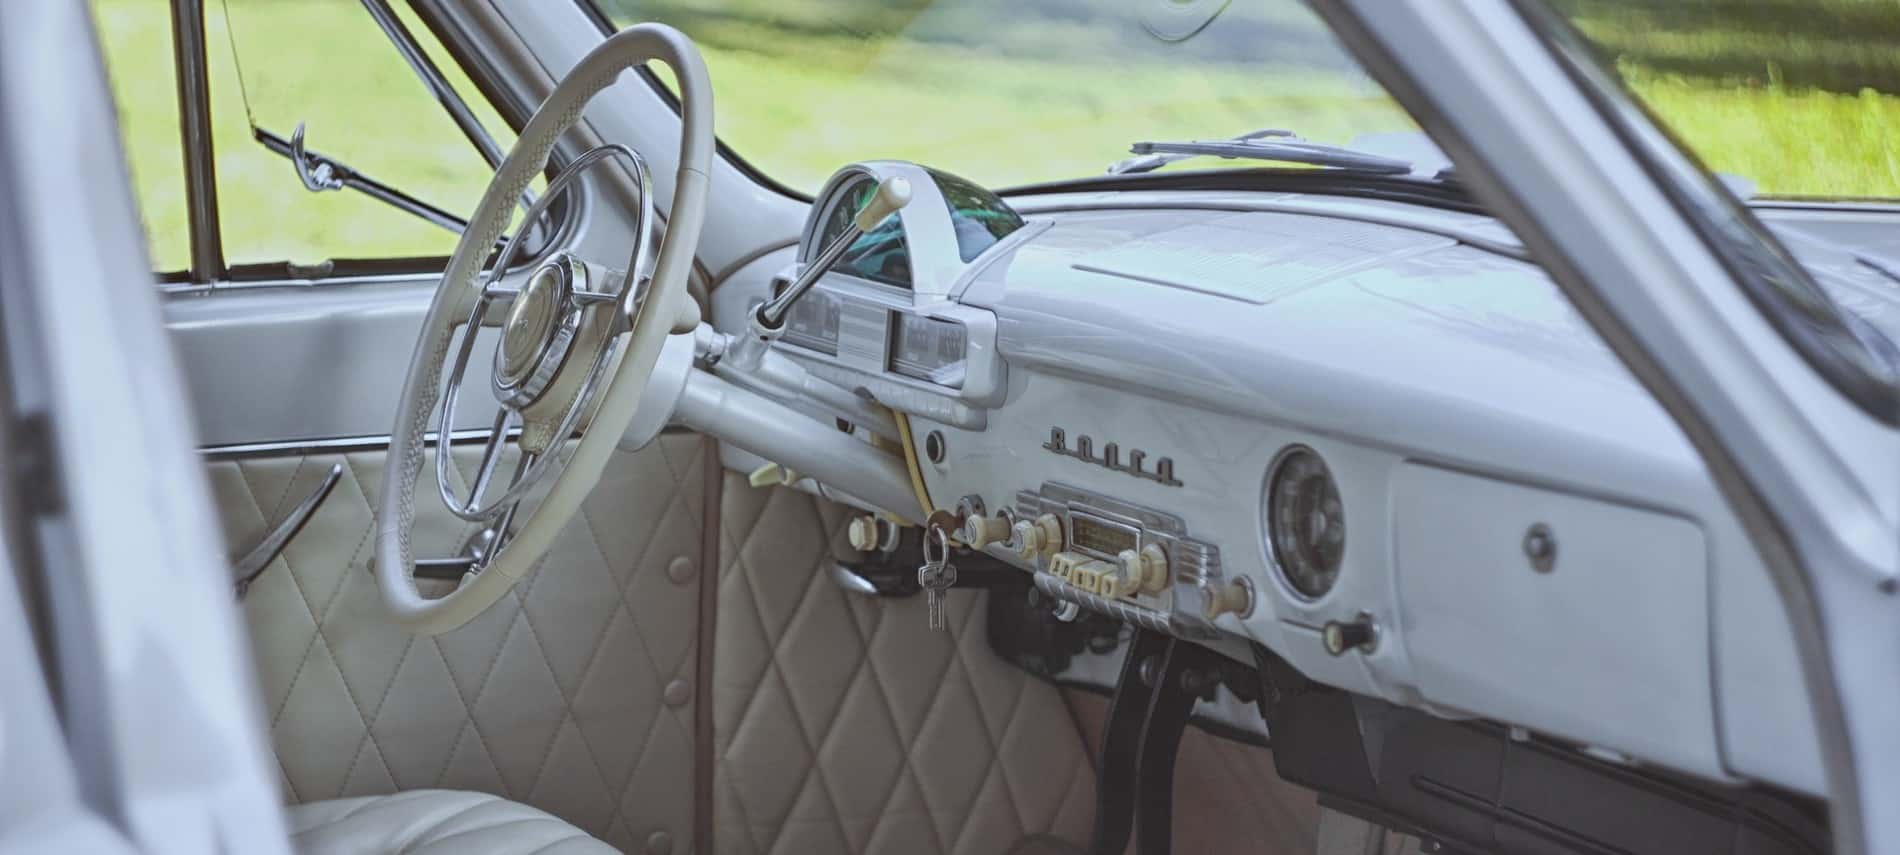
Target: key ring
<point>943,547</point>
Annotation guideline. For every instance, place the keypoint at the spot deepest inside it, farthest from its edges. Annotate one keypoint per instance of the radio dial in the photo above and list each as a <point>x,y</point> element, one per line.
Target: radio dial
<point>1040,537</point>
<point>980,531</point>
<point>1144,571</point>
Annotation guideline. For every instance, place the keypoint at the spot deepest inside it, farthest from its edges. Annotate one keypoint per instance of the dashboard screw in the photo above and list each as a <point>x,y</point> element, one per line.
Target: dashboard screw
<point>934,447</point>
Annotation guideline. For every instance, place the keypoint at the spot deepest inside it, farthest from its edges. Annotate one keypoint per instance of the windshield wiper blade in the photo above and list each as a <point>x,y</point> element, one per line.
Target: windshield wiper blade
<point>1271,144</point>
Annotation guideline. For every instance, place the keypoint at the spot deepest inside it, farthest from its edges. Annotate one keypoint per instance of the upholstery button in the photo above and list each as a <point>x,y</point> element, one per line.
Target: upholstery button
<point>659,843</point>
<point>680,570</point>
<point>677,692</point>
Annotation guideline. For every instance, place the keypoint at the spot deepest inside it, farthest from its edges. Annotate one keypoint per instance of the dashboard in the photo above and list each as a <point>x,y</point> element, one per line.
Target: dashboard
<point>1368,435</point>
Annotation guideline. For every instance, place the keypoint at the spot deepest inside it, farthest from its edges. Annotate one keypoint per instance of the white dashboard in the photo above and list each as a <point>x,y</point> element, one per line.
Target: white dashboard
<point>1368,435</point>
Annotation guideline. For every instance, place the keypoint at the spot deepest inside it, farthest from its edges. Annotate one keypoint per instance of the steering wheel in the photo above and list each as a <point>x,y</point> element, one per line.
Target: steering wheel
<point>574,332</point>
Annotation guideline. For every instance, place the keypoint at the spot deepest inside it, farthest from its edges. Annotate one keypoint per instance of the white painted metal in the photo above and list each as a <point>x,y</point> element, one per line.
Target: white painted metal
<point>168,745</point>
<point>1615,632</point>
<point>791,439</point>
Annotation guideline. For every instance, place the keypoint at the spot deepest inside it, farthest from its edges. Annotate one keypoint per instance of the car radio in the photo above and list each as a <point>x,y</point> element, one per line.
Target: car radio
<point>1109,556</point>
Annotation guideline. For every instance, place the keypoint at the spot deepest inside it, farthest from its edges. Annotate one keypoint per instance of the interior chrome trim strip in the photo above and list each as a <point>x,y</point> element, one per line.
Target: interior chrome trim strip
<point>189,288</point>
<point>246,569</point>
<point>347,444</point>
<point>438,85</point>
<point>333,445</point>
<point>194,129</point>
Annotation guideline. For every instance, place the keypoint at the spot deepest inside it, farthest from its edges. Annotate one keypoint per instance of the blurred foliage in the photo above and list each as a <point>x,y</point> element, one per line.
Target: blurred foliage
<point>1800,96</point>
<point>1840,46</point>
<point>1008,92</point>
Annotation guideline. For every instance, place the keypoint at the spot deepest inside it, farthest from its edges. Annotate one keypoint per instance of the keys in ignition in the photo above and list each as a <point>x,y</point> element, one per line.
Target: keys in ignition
<point>936,575</point>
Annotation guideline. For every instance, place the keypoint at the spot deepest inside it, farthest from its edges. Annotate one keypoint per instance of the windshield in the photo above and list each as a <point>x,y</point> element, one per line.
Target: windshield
<point>1798,99</point>
<point>1009,92</point>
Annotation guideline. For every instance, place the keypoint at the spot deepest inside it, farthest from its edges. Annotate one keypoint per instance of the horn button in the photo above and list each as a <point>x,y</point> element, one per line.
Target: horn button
<point>539,331</point>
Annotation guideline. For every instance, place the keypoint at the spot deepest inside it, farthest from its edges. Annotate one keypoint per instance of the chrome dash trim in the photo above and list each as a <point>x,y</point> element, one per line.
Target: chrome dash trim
<point>347,444</point>
<point>1132,613</point>
<point>173,289</point>
<point>333,445</point>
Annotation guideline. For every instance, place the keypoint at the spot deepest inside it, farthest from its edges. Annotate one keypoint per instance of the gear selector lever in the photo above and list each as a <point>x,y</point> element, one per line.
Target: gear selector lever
<point>768,323</point>
<point>892,194</point>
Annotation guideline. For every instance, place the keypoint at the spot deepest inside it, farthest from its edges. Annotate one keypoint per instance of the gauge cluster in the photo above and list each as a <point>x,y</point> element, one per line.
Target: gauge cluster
<point>1305,522</point>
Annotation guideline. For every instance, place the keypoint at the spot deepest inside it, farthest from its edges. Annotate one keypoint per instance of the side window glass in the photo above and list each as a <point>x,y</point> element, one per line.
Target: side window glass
<point>136,38</point>
<point>271,66</point>
<point>327,65</point>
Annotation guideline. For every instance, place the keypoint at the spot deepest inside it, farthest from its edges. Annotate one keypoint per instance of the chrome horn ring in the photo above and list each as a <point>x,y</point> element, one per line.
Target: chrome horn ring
<point>538,342</point>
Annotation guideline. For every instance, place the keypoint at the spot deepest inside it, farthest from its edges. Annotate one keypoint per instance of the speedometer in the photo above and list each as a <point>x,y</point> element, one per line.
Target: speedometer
<point>1305,522</point>
<point>928,349</point>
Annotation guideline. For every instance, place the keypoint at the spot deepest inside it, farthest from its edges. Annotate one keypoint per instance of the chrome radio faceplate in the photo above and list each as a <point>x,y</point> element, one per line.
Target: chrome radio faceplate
<point>1124,560</point>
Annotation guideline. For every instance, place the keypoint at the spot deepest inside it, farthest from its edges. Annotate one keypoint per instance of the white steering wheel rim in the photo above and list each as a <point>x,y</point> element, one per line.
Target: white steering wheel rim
<point>395,562</point>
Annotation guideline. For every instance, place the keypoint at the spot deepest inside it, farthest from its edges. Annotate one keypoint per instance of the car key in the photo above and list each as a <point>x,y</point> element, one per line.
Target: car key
<point>936,575</point>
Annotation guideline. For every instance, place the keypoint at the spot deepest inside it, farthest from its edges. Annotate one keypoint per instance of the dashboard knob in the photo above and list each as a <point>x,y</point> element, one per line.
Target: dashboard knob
<point>1235,598</point>
<point>980,531</point>
<point>1360,633</point>
<point>1143,572</point>
<point>892,193</point>
<point>1040,537</point>
<point>863,533</point>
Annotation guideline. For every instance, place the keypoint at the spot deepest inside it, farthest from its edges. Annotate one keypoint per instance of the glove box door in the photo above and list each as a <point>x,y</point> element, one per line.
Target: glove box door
<point>1606,643</point>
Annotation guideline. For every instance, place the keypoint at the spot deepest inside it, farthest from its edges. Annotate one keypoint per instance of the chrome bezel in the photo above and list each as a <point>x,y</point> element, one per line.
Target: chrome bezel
<point>1131,528</point>
<point>1271,553</point>
<point>521,389</point>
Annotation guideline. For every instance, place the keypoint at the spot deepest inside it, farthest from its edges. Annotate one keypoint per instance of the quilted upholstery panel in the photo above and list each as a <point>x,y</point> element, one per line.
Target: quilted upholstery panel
<point>843,725</point>
<point>556,697</point>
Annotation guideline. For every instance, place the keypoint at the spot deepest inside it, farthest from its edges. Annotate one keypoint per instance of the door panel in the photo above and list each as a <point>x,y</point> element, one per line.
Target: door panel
<point>573,694</point>
<point>278,364</point>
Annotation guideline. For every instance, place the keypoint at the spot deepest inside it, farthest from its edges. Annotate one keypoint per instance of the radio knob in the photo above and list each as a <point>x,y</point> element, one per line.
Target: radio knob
<point>1039,537</point>
<point>1235,598</point>
<point>1144,572</point>
<point>980,531</point>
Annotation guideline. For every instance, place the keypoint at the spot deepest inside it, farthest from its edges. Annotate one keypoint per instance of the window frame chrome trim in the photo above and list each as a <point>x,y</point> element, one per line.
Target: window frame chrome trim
<point>192,84</point>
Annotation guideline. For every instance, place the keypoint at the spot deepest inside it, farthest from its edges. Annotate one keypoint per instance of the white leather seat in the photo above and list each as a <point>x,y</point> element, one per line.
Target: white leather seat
<point>433,822</point>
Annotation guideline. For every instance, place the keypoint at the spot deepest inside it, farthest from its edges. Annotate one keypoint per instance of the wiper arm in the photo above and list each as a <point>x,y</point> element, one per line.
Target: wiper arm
<point>1271,144</point>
